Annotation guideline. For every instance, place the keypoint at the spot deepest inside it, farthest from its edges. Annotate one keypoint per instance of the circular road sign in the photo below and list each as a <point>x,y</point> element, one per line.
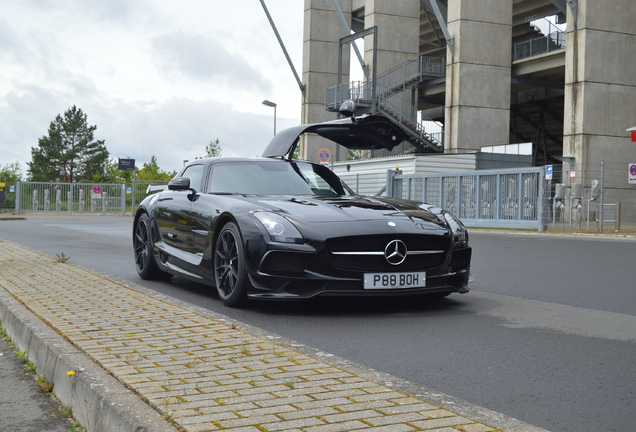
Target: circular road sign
<point>97,189</point>
<point>324,155</point>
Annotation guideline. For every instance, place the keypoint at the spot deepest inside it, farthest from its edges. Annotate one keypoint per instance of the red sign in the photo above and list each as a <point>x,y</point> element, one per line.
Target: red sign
<point>634,136</point>
<point>97,189</point>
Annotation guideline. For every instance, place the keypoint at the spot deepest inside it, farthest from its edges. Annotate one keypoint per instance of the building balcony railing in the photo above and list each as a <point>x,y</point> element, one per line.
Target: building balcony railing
<point>541,45</point>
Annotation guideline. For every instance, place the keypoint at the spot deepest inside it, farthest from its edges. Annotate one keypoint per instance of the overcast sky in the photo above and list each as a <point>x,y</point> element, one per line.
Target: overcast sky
<point>155,76</point>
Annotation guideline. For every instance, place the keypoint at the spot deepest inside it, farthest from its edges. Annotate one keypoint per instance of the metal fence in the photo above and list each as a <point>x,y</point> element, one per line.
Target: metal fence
<point>70,197</point>
<point>139,191</point>
<point>501,198</point>
<point>592,197</point>
<point>541,45</point>
<point>595,197</point>
<point>78,197</point>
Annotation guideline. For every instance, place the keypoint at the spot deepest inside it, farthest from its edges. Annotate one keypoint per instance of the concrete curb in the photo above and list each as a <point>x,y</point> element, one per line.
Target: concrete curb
<point>99,401</point>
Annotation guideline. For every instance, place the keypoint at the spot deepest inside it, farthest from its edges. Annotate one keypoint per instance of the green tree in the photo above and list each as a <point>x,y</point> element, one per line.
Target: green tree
<point>296,154</point>
<point>69,152</point>
<point>151,171</point>
<point>112,174</point>
<point>10,173</point>
<point>355,154</point>
<point>213,149</point>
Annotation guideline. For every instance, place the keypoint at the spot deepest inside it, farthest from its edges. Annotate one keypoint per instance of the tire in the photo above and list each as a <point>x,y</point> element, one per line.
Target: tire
<point>229,266</point>
<point>145,263</point>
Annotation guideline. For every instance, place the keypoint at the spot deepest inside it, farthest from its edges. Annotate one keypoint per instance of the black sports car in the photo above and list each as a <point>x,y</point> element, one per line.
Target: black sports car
<point>275,228</point>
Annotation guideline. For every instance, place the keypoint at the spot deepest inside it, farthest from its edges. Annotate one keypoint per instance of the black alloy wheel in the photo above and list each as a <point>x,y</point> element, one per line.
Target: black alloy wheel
<point>229,266</point>
<point>144,262</point>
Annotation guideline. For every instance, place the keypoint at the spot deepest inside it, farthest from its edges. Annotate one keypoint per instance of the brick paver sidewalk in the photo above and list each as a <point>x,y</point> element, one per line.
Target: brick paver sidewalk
<point>203,374</point>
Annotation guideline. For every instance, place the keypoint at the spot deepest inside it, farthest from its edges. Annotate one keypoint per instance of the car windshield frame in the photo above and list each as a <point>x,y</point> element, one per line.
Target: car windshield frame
<point>274,177</point>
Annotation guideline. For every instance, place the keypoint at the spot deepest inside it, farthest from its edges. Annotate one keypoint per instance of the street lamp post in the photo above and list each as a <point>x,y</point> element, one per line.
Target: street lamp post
<point>273,105</point>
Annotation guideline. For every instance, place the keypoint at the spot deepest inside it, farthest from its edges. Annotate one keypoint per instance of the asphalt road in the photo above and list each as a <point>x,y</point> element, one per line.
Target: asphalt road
<point>23,407</point>
<point>547,334</point>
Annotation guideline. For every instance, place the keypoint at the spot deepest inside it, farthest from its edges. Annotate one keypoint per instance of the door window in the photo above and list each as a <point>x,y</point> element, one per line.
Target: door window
<point>195,174</point>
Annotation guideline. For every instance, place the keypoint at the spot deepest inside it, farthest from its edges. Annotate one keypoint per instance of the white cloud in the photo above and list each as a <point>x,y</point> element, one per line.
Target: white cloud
<point>205,59</point>
<point>155,76</point>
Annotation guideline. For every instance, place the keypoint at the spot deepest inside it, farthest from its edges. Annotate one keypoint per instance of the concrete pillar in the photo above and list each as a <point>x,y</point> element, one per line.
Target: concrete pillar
<point>477,108</point>
<point>398,25</point>
<point>322,31</point>
<point>600,86</point>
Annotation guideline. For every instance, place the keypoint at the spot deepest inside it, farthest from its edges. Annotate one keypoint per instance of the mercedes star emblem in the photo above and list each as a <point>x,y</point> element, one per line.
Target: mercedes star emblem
<point>395,252</point>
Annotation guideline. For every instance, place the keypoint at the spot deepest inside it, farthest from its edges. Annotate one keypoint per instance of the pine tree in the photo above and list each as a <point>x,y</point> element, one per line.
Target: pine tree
<point>69,152</point>
<point>213,149</point>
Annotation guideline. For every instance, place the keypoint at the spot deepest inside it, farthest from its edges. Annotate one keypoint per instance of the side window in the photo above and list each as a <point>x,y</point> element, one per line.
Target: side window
<point>195,174</point>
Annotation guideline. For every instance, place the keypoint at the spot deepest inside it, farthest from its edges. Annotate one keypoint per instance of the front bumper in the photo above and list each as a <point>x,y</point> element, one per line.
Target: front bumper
<point>268,287</point>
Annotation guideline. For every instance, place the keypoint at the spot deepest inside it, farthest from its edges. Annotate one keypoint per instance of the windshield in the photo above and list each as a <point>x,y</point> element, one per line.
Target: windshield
<point>274,177</point>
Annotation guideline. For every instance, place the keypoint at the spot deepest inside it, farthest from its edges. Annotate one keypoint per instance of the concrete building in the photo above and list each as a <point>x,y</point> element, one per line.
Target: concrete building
<point>461,75</point>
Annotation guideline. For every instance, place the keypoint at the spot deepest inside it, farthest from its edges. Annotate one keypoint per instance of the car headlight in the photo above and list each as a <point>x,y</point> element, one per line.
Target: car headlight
<point>458,228</point>
<point>279,229</point>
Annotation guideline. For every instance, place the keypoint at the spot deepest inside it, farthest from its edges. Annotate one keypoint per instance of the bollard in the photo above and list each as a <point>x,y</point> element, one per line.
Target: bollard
<point>58,200</point>
<point>81,200</point>
<point>47,199</point>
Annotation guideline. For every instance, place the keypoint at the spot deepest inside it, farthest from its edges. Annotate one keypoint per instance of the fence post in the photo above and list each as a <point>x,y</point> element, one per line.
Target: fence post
<point>18,197</point>
<point>520,201</point>
<point>498,197</point>
<point>601,198</point>
<point>134,193</point>
<point>543,201</point>
<point>70,198</point>
<point>460,184</point>
<point>478,197</point>
<point>424,191</point>
<point>123,200</point>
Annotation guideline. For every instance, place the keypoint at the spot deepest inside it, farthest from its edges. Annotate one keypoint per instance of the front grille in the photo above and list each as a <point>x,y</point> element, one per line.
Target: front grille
<point>378,263</point>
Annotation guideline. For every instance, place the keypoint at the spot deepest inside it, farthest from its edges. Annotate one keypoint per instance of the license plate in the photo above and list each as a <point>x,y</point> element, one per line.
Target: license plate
<point>394,280</point>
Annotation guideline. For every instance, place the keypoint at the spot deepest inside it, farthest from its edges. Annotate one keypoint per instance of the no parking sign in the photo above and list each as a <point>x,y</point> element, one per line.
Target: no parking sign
<point>97,190</point>
<point>632,174</point>
<point>324,155</point>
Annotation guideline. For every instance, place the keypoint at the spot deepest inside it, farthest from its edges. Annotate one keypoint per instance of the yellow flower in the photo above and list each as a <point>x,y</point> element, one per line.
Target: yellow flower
<point>69,373</point>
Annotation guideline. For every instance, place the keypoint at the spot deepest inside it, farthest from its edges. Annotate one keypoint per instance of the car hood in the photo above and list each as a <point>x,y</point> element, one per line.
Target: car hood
<point>352,209</point>
<point>365,133</point>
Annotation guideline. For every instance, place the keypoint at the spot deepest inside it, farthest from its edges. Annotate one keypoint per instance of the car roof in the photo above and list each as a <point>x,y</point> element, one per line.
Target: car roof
<point>359,133</point>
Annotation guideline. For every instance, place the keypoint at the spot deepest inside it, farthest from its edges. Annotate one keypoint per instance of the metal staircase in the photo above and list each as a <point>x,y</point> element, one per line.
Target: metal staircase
<point>426,134</point>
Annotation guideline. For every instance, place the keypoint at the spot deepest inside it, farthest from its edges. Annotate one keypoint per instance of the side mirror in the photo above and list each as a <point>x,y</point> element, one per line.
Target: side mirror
<point>179,183</point>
